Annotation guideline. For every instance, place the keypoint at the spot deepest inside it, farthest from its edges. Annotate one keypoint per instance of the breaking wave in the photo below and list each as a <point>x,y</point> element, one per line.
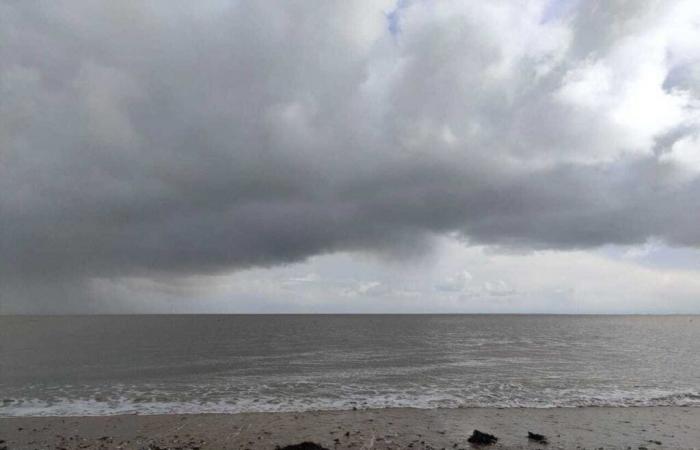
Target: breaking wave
<point>159,404</point>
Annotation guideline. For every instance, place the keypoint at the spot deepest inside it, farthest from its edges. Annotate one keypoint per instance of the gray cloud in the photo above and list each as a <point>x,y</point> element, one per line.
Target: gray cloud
<point>181,138</point>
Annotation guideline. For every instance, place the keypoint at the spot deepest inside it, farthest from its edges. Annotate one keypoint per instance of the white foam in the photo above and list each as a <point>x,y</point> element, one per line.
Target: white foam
<point>137,405</point>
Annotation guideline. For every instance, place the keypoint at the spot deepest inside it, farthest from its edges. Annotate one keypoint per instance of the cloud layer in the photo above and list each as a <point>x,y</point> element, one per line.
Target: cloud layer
<point>184,138</point>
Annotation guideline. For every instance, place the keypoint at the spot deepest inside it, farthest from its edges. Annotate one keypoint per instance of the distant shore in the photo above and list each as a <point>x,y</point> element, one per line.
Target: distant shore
<point>395,428</point>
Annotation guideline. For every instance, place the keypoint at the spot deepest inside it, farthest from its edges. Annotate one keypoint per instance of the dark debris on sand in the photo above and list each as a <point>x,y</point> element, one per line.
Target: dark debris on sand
<point>302,446</point>
<point>537,437</point>
<point>480,438</point>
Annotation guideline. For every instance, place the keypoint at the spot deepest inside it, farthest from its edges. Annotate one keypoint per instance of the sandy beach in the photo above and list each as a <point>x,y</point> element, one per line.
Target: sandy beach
<point>565,428</point>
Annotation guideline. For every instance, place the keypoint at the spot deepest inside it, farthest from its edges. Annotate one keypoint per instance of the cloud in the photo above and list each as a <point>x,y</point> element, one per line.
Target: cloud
<point>455,283</point>
<point>654,279</point>
<point>176,139</point>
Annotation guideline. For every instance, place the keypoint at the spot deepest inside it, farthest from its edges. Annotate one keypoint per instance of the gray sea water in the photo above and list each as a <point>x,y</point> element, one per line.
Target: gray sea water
<point>80,365</point>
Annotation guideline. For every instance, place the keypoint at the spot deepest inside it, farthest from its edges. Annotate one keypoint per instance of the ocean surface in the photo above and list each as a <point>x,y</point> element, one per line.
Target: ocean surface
<point>84,365</point>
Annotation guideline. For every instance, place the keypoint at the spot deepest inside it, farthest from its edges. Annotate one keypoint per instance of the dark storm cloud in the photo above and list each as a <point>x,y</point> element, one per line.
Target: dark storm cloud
<point>185,138</point>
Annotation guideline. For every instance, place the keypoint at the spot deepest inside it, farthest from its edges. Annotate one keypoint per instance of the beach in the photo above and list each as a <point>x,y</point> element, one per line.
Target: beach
<point>327,225</point>
<point>348,382</point>
<point>392,428</point>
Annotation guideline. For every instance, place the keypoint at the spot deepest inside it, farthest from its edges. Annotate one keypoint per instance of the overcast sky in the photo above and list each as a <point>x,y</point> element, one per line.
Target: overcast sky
<point>350,156</point>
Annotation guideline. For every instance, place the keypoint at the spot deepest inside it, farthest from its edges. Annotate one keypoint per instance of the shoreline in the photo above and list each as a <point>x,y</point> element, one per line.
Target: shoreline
<point>127,413</point>
<point>389,428</point>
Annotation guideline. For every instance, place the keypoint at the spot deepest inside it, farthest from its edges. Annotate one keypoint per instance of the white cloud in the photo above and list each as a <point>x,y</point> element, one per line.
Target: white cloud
<point>456,283</point>
<point>684,156</point>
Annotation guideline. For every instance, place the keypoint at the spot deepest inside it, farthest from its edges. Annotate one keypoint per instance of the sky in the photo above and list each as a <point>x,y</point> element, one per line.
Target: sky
<point>365,156</point>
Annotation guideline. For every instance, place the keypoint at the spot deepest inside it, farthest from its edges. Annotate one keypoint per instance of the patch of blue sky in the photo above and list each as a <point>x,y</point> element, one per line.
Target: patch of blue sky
<point>393,17</point>
<point>656,254</point>
<point>556,9</point>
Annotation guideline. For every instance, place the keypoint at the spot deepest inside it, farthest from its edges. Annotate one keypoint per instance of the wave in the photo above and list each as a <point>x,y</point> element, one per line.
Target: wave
<point>63,406</point>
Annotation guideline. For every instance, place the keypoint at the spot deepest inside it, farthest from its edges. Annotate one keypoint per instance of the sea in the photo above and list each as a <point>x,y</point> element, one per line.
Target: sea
<point>160,364</point>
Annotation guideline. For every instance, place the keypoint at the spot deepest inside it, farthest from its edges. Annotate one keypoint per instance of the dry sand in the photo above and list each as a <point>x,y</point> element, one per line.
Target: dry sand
<point>592,428</point>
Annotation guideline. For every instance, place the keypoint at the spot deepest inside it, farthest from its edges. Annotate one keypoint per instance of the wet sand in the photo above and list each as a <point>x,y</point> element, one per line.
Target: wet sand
<point>398,428</point>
